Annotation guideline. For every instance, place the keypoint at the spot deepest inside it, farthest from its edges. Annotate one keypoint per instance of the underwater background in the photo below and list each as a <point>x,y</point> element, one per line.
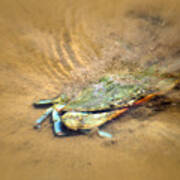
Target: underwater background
<point>53,47</point>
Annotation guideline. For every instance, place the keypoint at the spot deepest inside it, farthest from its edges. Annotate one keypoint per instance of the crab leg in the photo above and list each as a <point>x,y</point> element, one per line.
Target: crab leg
<point>42,118</point>
<point>104,134</point>
<point>121,111</point>
<point>44,102</point>
<point>57,123</point>
<point>101,133</point>
<point>62,98</point>
<point>145,99</point>
<point>117,113</point>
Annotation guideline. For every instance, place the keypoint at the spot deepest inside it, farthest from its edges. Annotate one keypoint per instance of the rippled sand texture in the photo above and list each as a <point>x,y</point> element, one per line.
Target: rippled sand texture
<point>49,47</point>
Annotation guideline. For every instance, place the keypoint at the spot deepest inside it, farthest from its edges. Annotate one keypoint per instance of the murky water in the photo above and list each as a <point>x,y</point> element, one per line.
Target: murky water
<point>48,47</point>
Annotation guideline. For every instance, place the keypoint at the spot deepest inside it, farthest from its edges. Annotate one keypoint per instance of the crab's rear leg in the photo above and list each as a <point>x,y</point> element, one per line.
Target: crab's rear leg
<point>123,110</point>
<point>114,114</point>
<point>43,118</point>
<point>117,113</point>
<point>145,99</point>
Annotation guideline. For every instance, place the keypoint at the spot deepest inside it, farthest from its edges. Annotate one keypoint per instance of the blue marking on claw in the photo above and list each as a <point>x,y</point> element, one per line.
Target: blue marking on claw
<point>57,123</point>
<point>104,134</point>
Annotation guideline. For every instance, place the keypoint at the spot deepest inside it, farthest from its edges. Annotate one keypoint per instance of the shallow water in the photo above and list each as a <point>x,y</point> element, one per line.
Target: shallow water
<point>61,46</point>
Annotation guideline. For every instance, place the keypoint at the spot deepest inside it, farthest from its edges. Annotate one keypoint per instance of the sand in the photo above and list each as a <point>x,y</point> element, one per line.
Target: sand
<point>50,47</point>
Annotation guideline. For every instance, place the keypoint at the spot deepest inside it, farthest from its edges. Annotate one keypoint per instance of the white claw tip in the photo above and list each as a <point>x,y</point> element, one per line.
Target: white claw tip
<point>59,134</point>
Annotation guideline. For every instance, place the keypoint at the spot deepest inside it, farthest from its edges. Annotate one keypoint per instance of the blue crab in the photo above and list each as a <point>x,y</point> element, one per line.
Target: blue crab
<point>102,101</point>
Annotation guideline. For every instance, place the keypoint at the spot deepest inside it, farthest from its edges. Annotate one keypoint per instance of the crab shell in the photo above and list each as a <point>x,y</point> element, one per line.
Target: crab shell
<point>110,97</point>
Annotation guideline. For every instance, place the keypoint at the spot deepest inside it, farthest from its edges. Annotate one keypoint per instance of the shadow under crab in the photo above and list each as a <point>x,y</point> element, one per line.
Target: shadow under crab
<point>103,101</point>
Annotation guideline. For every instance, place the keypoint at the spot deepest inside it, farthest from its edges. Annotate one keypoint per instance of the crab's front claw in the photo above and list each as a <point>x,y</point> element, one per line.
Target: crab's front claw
<point>42,118</point>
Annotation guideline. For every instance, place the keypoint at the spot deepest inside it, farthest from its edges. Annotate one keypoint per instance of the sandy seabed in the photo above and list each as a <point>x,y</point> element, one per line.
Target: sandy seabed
<point>49,47</point>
